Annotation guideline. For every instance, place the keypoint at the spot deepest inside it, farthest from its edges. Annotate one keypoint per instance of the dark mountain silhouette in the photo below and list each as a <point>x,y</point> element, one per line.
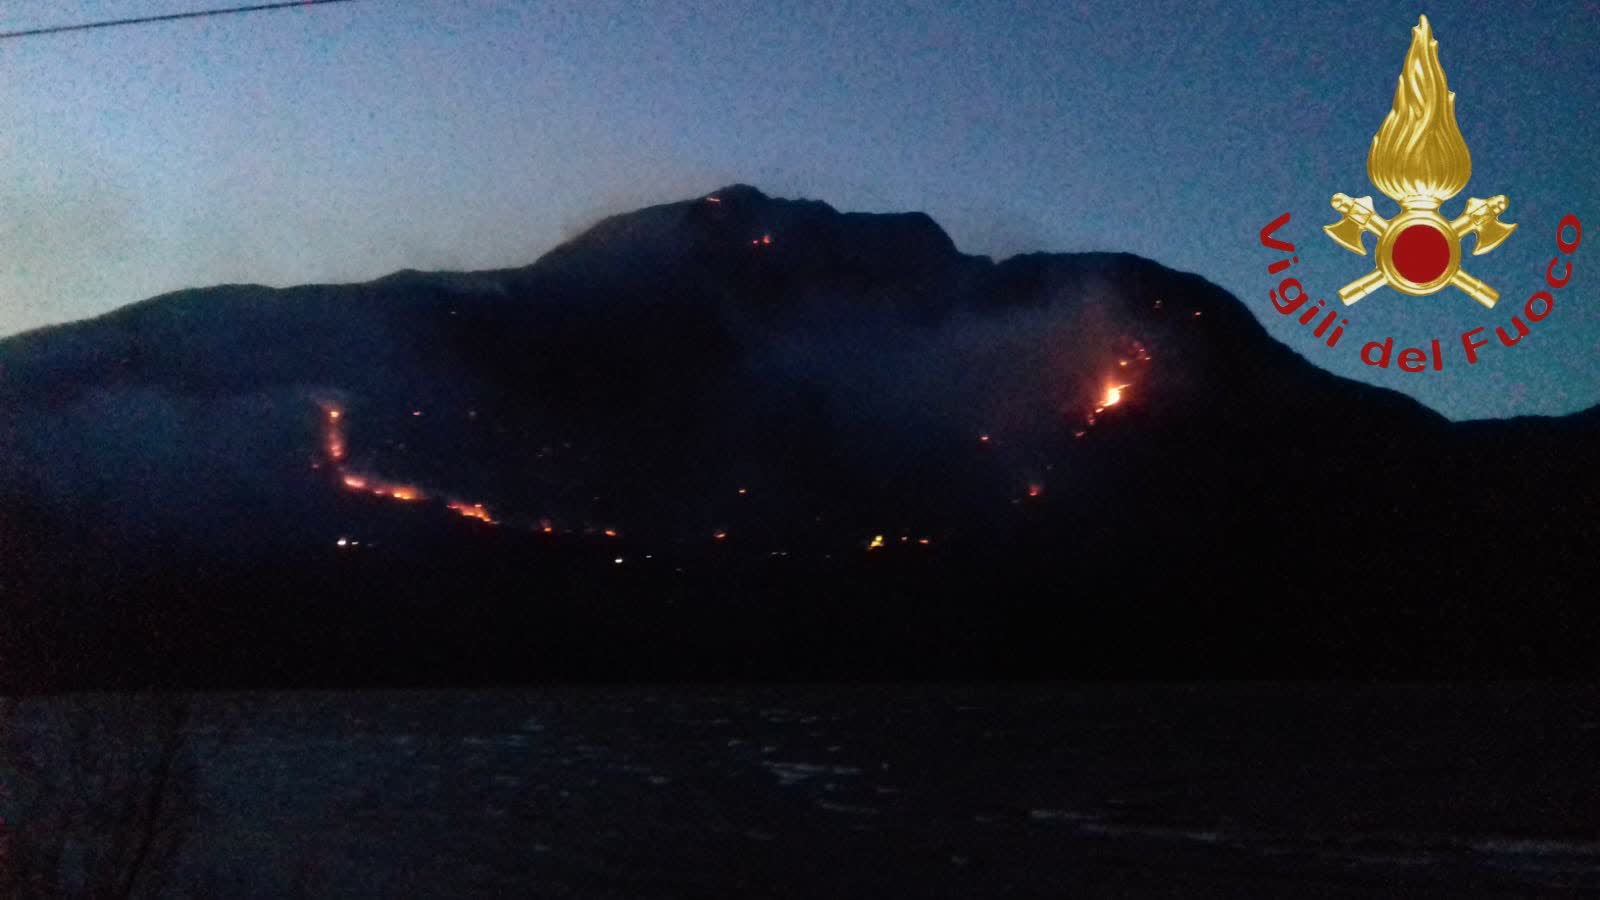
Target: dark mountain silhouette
<point>820,443</point>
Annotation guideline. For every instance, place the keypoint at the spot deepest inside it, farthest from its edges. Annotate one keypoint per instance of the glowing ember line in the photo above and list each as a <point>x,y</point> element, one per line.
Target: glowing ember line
<point>471,511</point>
<point>336,449</point>
<point>333,435</point>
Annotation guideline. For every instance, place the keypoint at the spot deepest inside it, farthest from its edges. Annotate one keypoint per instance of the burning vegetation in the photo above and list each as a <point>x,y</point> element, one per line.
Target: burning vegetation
<point>1112,388</point>
<point>336,449</point>
<point>471,511</point>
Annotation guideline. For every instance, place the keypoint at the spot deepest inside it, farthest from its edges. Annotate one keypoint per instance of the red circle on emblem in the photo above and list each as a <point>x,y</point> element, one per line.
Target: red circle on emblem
<point>1421,253</point>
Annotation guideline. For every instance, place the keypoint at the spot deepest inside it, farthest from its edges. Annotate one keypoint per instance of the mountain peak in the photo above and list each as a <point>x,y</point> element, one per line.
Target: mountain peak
<point>738,192</point>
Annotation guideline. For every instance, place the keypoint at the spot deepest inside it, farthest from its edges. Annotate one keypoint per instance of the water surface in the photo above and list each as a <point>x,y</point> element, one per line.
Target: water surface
<point>1232,791</point>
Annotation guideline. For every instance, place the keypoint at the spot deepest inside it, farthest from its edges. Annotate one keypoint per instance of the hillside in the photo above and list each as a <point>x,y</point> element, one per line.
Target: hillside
<point>819,443</point>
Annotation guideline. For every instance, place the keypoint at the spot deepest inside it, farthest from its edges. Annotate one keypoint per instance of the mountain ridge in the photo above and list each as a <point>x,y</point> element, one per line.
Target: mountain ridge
<point>1020,267</point>
<point>735,399</point>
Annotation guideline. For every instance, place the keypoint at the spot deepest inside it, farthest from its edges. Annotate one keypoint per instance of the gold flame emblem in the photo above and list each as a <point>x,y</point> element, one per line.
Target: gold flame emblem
<point>1420,160</point>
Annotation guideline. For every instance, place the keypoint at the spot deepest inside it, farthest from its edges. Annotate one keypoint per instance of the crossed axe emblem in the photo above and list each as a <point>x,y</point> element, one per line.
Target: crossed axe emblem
<point>1429,246</point>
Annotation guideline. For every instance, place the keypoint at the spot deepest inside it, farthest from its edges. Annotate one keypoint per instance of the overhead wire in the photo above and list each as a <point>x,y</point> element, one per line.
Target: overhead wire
<point>167,17</point>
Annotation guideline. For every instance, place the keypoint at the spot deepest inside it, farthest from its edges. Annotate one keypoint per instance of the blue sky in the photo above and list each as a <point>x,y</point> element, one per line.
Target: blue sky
<point>343,142</point>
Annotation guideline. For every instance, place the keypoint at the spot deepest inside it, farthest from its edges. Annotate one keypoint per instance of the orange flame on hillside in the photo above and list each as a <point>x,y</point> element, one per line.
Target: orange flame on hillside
<point>336,449</point>
<point>377,487</point>
<point>471,511</point>
<point>333,435</point>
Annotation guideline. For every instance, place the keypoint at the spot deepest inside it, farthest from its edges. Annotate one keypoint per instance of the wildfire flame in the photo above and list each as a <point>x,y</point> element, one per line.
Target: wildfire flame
<point>380,488</point>
<point>1111,397</point>
<point>471,511</point>
<point>1418,156</point>
<point>335,448</point>
<point>333,434</point>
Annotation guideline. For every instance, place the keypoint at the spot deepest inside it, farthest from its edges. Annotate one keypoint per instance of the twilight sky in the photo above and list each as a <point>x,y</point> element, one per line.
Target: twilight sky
<point>343,142</point>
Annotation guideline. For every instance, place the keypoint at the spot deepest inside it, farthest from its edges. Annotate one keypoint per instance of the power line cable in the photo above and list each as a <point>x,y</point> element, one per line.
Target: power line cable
<point>141,20</point>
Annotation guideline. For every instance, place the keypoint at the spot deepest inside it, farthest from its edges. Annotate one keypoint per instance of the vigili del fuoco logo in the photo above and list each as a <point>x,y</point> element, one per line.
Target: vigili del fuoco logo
<point>1420,160</point>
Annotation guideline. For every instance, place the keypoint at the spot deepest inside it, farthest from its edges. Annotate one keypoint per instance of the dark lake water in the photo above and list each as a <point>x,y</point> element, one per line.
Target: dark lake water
<point>1235,791</point>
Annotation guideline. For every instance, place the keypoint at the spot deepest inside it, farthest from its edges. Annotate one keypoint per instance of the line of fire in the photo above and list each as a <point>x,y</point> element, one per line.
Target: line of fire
<point>1119,380</point>
<point>335,458</point>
